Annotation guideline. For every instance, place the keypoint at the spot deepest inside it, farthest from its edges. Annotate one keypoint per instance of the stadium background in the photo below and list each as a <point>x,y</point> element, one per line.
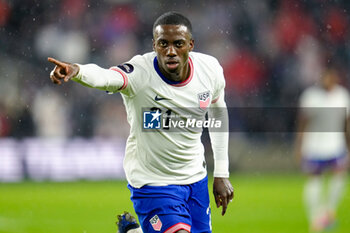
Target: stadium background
<point>270,50</point>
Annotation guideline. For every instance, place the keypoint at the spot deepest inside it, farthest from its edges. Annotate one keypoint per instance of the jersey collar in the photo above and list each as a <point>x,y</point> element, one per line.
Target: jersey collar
<point>174,83</point>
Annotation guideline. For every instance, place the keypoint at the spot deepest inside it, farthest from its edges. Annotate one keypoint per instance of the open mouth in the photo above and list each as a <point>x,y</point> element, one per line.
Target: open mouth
<point>172,65</point>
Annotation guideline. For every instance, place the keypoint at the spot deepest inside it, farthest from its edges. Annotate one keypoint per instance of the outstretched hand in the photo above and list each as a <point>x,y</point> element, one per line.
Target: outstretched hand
<point>223,193</point>
<point>62,70</point>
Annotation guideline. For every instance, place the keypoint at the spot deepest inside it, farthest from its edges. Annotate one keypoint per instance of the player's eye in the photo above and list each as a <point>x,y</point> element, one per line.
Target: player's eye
<point>180,44</point>
<point>162,43</point>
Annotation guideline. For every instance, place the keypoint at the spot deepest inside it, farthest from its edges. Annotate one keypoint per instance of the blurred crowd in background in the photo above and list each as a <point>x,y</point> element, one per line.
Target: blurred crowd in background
<point>270,51</point>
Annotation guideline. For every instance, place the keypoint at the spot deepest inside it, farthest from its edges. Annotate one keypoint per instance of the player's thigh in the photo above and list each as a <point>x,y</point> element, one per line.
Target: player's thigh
<point>199,205</point>
<point>317,166</point>
<point>162,209</point>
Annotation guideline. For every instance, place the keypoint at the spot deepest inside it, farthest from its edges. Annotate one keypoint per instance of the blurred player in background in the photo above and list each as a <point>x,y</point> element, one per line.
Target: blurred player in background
<point>324,151</point>
<point>166,171</point>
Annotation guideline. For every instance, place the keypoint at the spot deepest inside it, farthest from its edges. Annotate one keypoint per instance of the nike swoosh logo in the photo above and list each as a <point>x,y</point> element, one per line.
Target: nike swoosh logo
<point>157,98</point>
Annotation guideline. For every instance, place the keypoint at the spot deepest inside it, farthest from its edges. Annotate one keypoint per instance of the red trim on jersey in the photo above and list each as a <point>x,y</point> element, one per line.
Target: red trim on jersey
<point>216,100</point>
<point>187,80</point>
<point>125,78</point>
<point>177,227</point>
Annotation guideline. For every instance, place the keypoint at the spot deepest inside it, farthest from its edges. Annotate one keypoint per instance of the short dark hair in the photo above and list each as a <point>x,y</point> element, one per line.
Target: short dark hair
<point>173,18</point>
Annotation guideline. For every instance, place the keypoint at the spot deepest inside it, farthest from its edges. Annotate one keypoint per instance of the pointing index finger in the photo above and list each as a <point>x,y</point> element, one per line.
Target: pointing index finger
<point>56,62</point>
<point>224,206</point>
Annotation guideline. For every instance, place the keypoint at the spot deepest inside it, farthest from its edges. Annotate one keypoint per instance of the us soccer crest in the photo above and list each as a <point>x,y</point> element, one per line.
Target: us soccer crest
<point>204,99</point>
<point>156,223</point>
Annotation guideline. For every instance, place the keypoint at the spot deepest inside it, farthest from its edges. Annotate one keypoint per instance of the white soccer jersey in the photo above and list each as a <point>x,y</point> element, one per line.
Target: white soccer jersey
<point>325,145</point>
<point>159,157</point>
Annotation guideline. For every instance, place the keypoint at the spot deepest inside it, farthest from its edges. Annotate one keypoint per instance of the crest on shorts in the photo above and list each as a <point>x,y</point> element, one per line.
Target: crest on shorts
<point>204,99</point>
<point>156,223</point>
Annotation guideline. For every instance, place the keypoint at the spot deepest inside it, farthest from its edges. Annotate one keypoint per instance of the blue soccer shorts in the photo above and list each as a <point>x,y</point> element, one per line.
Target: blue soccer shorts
<point>317,167</point>
<point>167,209</point>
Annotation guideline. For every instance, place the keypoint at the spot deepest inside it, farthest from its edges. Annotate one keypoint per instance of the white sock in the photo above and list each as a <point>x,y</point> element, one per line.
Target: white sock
<point>313,197</point>
<point>336,189</point>
<point>137,230</point>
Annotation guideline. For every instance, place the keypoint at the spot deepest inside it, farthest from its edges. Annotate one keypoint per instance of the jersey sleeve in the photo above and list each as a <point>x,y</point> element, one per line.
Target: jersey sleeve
<point>94,76</point>
<point>220,140</point>
<point>134,73</point>
<point>126,78</point>
<point>219,85</point>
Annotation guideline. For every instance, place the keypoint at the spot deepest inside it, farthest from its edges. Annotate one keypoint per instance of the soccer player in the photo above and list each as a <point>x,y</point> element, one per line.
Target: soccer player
<point>323,146</point>
<point>166,171</point>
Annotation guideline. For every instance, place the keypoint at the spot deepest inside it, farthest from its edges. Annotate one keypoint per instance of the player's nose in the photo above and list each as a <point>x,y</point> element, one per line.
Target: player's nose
<point>171,51</point>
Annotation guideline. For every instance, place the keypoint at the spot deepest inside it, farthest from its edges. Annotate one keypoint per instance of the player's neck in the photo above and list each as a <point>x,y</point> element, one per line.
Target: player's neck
<point>329,87</point>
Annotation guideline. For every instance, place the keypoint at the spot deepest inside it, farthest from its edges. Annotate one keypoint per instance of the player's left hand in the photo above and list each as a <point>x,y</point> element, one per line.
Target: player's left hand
<point>223,193</point>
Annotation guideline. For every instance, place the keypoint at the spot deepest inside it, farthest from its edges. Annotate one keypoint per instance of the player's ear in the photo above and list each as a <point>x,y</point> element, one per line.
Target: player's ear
<point>191,44</point>
<point>153,45</point>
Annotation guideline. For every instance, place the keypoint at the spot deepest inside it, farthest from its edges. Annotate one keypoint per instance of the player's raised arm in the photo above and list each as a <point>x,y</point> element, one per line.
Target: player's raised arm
<point>90,75</point>
<point>62,70</point>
